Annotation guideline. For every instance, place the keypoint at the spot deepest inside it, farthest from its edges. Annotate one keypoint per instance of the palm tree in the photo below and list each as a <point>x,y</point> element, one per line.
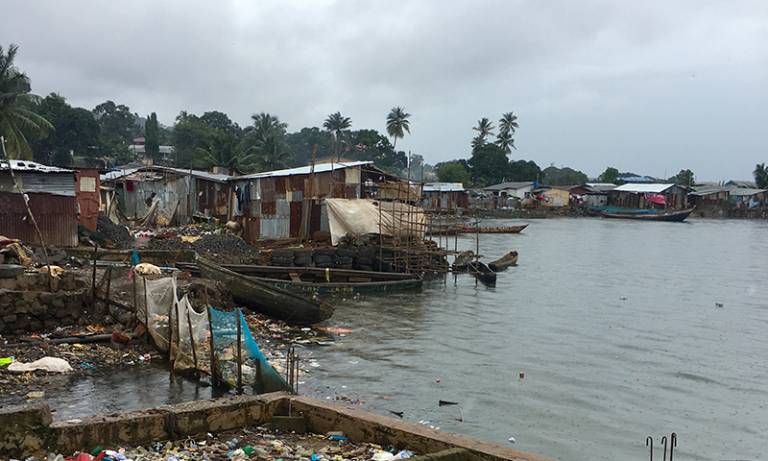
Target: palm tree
<point>761,175</point>
<point>220,150</point>
<point>271,153</point>
<point>18,122</point>
<point>398,124</point>
<point>507,126</point>
<point>336,124</point>
<point>264,123</point>
<point>484,129</point>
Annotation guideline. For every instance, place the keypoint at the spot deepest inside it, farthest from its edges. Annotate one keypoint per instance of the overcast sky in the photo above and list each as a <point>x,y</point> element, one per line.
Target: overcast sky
<point>650,87</point>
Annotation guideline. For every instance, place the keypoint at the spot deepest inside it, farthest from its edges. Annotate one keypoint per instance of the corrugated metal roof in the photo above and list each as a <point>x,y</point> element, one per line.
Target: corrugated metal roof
<point>745,192</point>
<point>319,168</point>
<point>443,187</point>
<point>643,188</point>
<point>510,185</point>
<point>117,174</point>
<point>708,190</point>
<point>26,165</point>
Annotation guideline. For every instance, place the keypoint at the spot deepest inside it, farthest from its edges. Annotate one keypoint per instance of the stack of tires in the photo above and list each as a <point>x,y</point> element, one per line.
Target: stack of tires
<point>345,258</point>
<point>365,259</point>
<point>324,257</point>
<point>302,258</point>
<point>282,257</point>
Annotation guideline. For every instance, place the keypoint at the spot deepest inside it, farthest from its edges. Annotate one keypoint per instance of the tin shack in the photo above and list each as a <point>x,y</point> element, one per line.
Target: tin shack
<point>51,193</point>
<point>289,203</point>
<point>172,194</point>
<point>444,196</point>
<point>653,195</point>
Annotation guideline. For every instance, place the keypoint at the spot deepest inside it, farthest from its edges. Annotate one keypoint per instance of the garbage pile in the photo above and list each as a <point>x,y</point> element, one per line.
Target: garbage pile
<point>257,443</point>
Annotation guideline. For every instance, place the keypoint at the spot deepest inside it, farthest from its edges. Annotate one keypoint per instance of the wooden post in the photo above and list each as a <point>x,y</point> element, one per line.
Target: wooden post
<point>239,352</point>
<point>109,281</point>
<point>214,376</point>
<point>93,277</point>
<point>192,341</point>
<point>258,385</point>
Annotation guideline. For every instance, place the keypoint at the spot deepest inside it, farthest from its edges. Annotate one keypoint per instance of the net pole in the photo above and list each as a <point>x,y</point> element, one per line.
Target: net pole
<point>239,352</point>
<point>192,341</point>
<point>214,376</point>
<point>146,305</point>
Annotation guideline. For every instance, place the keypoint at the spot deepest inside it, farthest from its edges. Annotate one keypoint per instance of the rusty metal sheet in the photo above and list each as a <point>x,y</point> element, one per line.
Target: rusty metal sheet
<point>268,189</point>
<point>351,191</point>
<point>252,229</point>
<point>295,226</point>
<point>275,228</point>
<point>55,215</point>
<point>297,182</point>
<point>282,208</point>
<point>280,185</point>
<point>268,208</point>
<point>88,197</point>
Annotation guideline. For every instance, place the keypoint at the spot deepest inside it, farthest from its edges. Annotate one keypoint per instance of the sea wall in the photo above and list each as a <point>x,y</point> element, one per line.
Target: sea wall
<point>29,304</point>
<point>28,430</point>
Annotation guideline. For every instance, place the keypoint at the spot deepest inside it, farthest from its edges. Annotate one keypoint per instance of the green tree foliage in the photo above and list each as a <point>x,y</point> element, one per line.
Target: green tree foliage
<point>489,164</point>
<point>265,143</point>
<point>152,137</point>
<point>610,175</point>
<point>370,145</point>
<point>761,175</point>
<point>683,178</point>
<point>204,140</point>
<point>507,127</point>
<point>484,129</point>
<point>117,128</point>
<point>398,124</point>
<point>453,171</point>
<point>336,124</point>
<point>566,176</point>
<point>75,131</point>
<point>521,170</point>
<point>301,143</point>
<point>19,124</point>
<point>219,148</point>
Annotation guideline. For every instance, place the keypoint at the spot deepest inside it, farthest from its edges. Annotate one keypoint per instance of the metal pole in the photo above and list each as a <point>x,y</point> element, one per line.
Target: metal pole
<point>239,353</point>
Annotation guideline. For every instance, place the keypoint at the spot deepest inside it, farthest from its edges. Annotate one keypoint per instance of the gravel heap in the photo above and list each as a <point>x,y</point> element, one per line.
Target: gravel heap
<point>118,235</point>
<point>220,246</point>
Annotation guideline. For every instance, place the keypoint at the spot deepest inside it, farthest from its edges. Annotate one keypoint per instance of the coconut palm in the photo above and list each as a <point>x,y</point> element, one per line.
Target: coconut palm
<point>484,129</point>
<point>507,126</point>
<point>271,153</point>
<point>336,124</point>
<point>761,175</point>
<point>264,123</point>
<point>398,124</point>
<point>220,149</point>
<point>18,122</point>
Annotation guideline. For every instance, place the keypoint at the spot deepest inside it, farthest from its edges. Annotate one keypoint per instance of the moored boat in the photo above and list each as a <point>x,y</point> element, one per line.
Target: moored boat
<point>324,280</point>
<point>669,216</point>
<point>265,297</point>
<point>491,230</point>
<point>509,259</point>
<point>483,273</point>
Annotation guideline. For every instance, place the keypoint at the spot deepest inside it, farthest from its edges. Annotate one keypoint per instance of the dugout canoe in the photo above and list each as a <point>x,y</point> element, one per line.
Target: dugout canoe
<point>491,230</point>
<point>483,273</point>
<point>670,216</point>
<point>509,259</point>
<point>313,280</point>
<point>265,297</point>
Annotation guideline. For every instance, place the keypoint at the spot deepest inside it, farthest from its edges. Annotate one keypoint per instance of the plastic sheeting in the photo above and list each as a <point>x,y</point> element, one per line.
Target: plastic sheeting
<point>360,217</point>
<point>224,328</point>
<point>159,298</point>
<point>193,348</point>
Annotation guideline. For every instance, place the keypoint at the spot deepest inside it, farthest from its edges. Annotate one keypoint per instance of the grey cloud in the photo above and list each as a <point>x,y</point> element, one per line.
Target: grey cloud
<point>646,86</point>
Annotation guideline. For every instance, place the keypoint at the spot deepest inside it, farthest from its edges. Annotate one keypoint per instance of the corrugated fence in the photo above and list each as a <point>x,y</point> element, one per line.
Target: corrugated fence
<point>55,214</point>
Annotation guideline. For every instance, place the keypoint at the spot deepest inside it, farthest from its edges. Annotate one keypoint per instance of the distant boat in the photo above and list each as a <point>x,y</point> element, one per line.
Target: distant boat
<point>670,216</point>
<point>509,259</point>
<point>491,230</point>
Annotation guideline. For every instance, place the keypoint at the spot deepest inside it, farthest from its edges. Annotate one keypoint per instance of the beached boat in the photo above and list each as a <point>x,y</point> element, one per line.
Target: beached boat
<point>509,259</point>
<point>265,297</point>
<point>319,280</point>
<point>483,273</point>
<point>670,216</point>
<point>461,260</point>
<point>491,230</point>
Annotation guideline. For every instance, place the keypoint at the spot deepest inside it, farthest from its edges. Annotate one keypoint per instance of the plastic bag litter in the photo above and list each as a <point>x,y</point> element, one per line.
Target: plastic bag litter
<point>49,364</point>
<point>146,269</point>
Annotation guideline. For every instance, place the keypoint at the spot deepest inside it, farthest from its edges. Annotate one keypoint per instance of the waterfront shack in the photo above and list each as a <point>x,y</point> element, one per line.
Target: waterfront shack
<point>289,203</point>
<point>709,200</point>
<point>172,194</point>
<point>509,194</point>
<point>652,195</point>
<point>444,196</point>
<point>52,199</point>
<point>593,194</point>
<point>742,198</point>
<point>553,197</point>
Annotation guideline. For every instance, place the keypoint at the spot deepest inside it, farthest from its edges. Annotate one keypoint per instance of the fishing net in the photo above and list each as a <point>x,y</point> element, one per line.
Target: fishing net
<point>192,351</point>
<point>256,370</point>
<point>157,296</point>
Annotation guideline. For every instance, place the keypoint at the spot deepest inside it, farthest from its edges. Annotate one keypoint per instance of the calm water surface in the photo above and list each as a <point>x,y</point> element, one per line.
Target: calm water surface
<point>613,323</point>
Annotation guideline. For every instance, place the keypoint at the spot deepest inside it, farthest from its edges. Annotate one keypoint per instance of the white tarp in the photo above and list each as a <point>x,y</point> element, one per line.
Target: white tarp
<point>361,216</point>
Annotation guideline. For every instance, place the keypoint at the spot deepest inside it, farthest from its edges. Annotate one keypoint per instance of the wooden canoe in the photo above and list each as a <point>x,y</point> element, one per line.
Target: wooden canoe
<point>318,280</point>
<point>264,297</point>
<point>492,230</point>
<point>509,259</point>
<point>669,216</point>
<point>482,272</point>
